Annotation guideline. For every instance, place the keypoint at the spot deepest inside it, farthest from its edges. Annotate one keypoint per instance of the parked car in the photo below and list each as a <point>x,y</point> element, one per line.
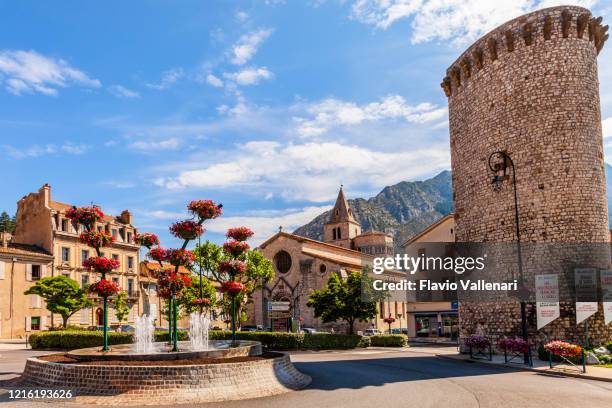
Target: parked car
<point>371,332</point>
<point>124,328</point>
<point>309,330</point>
<point>403,330</point>
<point>251,328</point>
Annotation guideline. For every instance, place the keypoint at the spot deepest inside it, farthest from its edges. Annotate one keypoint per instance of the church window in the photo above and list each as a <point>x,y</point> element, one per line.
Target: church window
<point>282,261</point>
<point>334,233</point>
<point>322,268</point>
<point>339,234</point>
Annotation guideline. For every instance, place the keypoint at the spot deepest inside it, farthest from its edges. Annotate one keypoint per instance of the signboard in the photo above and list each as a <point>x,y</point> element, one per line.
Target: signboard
<point>279,315</point>
<point>279,306</point>
<point>455,305</point>
<point>586,293</point>
<point>606,291</point>
<point>547,299</point>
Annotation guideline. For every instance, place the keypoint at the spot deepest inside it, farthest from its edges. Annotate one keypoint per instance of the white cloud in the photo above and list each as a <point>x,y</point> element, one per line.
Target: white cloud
<point>30,72</point>
<point>42,150</point>
<point>266,223</point>
<point>333,112</point>
<point>122,92</point>
<point>249,76</point>
<point>168,79</point>
<point>214,81</point>
<point>241,16</point>
<point>309,171</point>
<point>149,145</point>
<point>461,21</point>
<point>247,46</point>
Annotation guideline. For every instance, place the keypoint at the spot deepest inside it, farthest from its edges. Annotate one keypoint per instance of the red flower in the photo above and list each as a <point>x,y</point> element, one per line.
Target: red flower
<point>514,345</point>
<point>96,239</point>
<point>174,283</point>
<point>201,301</point>
<point>563,349</point>
<point>235,248</point>
<point>232,287</point>
<point>389,320</point>
<point>164,293</point>
<point>205,209</point>
<point>180,257</point>
<point>105,288</point>
<point>146,239</point>
<point>87,216</point>
<point>186,229</point>
<point>239,233</point>
<point>233,267</point>
<point>101,264</point>
<point>158,254</point>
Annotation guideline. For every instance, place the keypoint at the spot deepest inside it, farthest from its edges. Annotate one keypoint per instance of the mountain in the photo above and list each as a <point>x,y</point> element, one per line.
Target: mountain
<point>402,209</point>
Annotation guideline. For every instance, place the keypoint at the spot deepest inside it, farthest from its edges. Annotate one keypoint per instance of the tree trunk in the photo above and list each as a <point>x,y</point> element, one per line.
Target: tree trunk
<point>351,322</point>
<point>65,321</point>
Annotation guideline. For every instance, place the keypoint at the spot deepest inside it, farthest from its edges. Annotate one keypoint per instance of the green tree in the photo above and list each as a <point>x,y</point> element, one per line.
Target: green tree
<point>62,296</point>
<point>121,306</point>
<point>7,223</point>
<point>349,300</point>
<point>191,293</point>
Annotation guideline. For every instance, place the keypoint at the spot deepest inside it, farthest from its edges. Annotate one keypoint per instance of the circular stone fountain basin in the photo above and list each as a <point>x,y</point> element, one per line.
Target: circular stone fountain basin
<point>162,351</point>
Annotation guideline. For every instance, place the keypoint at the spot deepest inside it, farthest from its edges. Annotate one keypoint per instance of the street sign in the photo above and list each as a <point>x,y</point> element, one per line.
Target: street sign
<point>279,306</point>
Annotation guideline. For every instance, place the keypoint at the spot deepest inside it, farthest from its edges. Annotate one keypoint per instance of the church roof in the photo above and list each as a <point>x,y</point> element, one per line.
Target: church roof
<point>342,211</point>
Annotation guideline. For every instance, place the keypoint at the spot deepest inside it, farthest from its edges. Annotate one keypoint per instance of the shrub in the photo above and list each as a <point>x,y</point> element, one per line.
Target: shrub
<point>608,346</point>
<point>388,340</point>
<point>477,342</point>
<point>331,341</point>
<point>73,339</point>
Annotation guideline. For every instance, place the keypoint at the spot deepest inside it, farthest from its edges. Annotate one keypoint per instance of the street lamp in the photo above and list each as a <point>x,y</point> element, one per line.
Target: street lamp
<point>500,170</point>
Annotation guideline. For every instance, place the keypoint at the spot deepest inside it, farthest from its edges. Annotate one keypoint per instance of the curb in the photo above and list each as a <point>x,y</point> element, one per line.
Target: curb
<point>533,370</point>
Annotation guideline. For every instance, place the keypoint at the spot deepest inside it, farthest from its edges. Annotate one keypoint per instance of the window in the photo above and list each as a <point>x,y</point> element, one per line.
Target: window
<point>116,280</point>
<point>84,255</point>
<point>65,225</point>
<point>322,268</point>
<point>35,272</point>
<point>130,262</point>
<point>115,257</point>
<point>84,281</point>
<point>129,237</point>
<point>282,261</point>
<point>65,254</point>
<point>35,323</point>
<point>114,233</point>
<point>339,234</point>
<point>334,233</point>
<point>99,228</point>
<point>130,287</point>
<point>66,274</point>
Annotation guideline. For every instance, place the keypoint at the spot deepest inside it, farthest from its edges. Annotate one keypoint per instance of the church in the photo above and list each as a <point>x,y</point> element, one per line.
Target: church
<point>303,265</point>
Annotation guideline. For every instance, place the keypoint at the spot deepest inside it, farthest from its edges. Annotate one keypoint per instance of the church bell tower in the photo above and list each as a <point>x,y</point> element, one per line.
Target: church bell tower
<point>342,226</point>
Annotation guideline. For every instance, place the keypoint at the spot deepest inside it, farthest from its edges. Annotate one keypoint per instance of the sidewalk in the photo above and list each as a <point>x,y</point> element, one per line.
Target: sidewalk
<point>12,344</point>
<point>592,372</point>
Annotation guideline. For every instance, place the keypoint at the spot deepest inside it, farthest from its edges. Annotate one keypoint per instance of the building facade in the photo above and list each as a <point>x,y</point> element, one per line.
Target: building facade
<point>432,314</point>
<point>41,222</point>
<point>20,267</point>
<point>303,265</point>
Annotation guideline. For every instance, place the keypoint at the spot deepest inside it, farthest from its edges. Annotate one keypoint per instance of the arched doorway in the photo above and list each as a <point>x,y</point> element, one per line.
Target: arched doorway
<point>99,317</point>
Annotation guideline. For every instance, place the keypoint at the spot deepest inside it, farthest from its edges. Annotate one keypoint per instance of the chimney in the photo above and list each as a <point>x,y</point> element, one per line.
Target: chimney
<point>45,191</point>
<point>126,217</point>
<point>5,238</point>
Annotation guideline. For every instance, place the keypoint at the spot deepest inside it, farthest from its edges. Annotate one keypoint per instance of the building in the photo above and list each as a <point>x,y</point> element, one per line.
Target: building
<point>20,267</point>
<point>432,315</point>
<point>41,223</point>
<point>303,265</point>
<point>530,88</point>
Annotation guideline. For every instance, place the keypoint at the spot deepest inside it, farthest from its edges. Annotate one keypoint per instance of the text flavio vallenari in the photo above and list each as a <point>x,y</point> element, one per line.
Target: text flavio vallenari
<point>426,284</point>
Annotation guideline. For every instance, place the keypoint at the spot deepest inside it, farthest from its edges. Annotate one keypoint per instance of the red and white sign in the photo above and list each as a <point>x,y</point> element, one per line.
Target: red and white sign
<point>547,299</point>
<point>586,292</point>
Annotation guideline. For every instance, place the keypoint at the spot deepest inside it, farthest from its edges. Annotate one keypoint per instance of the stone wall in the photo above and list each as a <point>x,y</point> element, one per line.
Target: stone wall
<point>154,385</point>
<point>530,88</point>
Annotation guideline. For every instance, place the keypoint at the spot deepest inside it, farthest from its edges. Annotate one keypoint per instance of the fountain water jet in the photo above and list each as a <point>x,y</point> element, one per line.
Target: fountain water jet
<point>198,331</point>
<point>145,332</point>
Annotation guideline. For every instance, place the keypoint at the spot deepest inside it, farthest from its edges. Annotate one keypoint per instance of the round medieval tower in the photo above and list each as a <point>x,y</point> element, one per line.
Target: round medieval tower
<point>529,89</point>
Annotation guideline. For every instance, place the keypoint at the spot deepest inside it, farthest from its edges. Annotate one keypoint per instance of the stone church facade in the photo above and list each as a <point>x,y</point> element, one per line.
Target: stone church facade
<point>303,265</point>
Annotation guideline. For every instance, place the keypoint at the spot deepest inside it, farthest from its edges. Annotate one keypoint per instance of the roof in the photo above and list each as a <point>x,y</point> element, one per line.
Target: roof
<point>373,232</point>
<point>25,250</point>
<point>154,267</point>
<point>300,238</point>
<point>341,211</point>
<point>428,229</point>
<point>56,205</point>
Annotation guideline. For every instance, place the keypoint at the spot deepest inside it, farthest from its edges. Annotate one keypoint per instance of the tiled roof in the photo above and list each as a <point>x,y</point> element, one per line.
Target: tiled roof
<point>154,267</point>
<point>57,206</point>
<point>24,249</point>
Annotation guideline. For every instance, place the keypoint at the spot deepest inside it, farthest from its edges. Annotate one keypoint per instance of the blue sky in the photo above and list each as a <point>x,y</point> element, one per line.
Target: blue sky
<point>266,106</point>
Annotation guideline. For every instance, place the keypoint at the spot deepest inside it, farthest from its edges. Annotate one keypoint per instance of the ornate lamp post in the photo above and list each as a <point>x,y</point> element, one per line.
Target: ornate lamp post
<point>500,169</point>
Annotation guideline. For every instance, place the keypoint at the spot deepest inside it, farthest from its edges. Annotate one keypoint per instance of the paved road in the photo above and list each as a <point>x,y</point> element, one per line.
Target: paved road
<point>416,378</point>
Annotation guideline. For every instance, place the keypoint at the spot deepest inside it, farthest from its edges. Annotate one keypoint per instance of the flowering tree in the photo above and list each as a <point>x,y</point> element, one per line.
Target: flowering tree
<point>389,320</point>
<point>88,217</point>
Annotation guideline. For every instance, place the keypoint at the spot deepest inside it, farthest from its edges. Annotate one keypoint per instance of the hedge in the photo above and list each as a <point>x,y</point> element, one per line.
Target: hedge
<point>70,339</point>
<point>388,340</point>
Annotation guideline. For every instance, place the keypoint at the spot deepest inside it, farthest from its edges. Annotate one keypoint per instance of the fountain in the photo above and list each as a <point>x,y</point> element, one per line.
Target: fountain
<point>144,333</point>
<point>198,331</point>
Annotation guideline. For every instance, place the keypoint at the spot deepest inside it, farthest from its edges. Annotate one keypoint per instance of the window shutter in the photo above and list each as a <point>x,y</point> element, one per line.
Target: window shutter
<point>29,272</point>
<point>35,299</point>
<point>28,323</point>
<point>2,269</point>
<point>43,271</point>
<point>85,316</point>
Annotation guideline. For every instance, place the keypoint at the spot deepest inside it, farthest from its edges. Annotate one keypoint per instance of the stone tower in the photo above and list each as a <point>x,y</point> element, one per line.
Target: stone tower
<point>530,88</point>
<point>342,226</point>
